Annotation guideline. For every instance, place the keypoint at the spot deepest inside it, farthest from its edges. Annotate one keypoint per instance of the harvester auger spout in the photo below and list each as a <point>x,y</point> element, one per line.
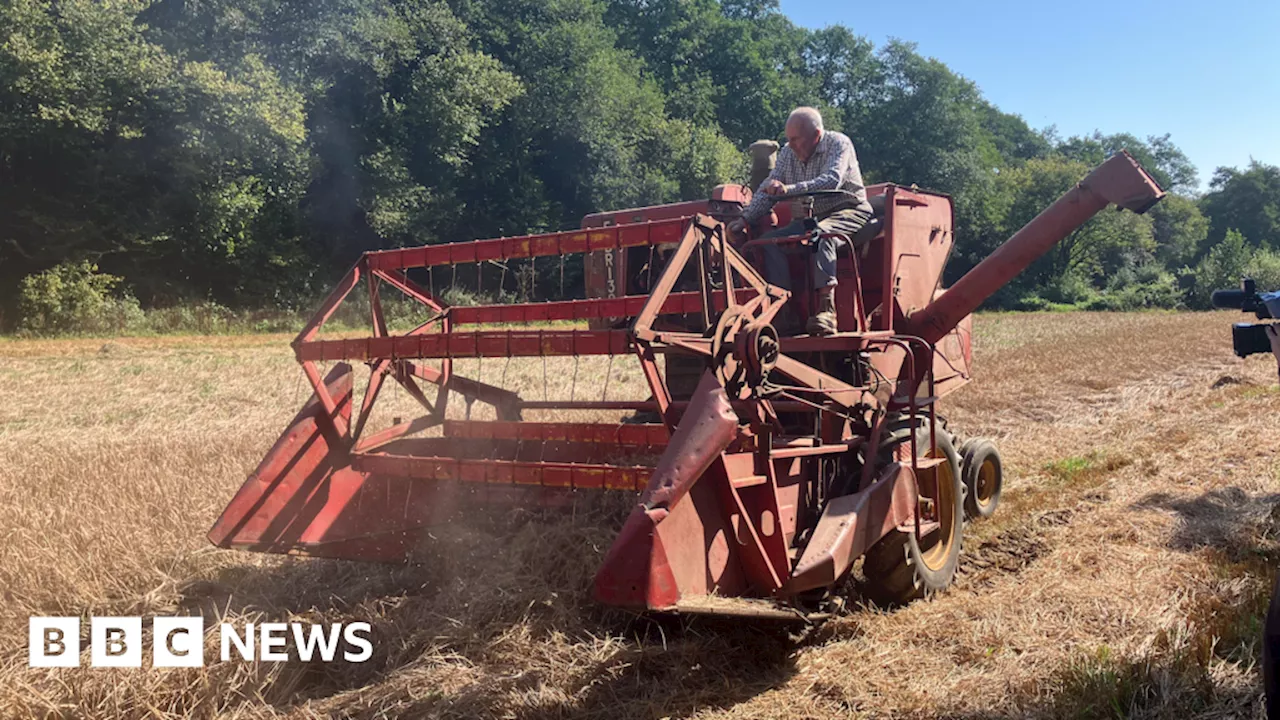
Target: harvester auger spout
<point>759,483</point>
<point>1120,181</point>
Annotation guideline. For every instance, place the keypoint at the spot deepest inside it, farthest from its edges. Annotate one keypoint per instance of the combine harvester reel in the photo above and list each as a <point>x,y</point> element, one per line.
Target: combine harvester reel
<point>759,485</point>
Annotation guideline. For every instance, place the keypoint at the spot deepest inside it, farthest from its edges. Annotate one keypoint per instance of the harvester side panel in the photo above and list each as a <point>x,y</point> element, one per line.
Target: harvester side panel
<point>922,240</point>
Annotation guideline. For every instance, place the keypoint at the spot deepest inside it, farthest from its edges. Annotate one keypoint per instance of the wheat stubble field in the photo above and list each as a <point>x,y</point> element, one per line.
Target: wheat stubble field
<point>1125,574</point>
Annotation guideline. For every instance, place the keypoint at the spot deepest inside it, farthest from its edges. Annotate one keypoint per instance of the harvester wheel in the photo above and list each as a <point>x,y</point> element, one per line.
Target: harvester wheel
<point>900,568</point>
<point>983,478</point>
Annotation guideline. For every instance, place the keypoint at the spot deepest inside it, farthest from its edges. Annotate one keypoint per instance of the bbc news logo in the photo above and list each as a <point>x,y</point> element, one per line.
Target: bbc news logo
<point>179,641</point>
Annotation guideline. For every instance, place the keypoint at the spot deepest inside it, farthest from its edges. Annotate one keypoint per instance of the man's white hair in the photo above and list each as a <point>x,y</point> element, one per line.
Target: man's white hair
<point>809,117</point>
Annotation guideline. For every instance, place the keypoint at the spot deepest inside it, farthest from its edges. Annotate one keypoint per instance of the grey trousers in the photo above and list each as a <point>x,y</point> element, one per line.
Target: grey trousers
<point>846,222</point>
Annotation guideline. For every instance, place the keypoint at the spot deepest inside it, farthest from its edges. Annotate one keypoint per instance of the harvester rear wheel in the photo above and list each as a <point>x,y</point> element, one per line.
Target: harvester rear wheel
<point>900,568</point>
<point>983,478</point>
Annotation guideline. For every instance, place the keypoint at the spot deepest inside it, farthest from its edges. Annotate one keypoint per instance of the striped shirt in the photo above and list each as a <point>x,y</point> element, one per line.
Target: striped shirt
<point>833,165</point>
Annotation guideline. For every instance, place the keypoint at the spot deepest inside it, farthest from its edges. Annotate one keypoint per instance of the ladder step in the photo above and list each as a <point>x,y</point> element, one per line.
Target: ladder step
<point>747,481</point>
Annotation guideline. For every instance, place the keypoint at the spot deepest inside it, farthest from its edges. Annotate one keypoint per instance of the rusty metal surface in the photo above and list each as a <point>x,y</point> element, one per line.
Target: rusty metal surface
<point>496,343</point>
<point>706,429</point>
<point>568,476</point>
<point>851,524</point>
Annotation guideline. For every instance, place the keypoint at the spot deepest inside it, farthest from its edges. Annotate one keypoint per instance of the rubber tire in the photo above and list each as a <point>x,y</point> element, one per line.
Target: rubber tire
<point>894,570</point>
<point>974,454</point>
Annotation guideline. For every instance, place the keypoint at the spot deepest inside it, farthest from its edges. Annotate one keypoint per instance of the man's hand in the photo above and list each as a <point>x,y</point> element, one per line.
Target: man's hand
<point>773,187</point>
<point>737,230</point>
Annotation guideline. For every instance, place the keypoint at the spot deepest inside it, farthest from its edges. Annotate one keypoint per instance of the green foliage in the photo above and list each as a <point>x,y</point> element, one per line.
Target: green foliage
<point>1166,163</point>
<point>1179,228</point>
<point>1264,267</point>
<point>1222,267</point>
<point>1247,201</point>
<point>74,298</point>
<point>1070,288</point>
<point>230,154</point>
<point>1141,287</point>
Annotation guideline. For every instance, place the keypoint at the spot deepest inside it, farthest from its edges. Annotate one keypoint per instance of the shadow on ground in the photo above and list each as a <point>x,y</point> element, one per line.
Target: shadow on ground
<point>1228,519</point>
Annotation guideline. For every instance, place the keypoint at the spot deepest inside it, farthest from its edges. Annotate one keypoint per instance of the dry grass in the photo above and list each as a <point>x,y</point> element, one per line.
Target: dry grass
<point>1124,576</point>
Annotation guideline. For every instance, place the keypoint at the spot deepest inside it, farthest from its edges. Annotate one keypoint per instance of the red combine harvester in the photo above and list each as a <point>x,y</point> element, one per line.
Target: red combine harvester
<point>760,483</point>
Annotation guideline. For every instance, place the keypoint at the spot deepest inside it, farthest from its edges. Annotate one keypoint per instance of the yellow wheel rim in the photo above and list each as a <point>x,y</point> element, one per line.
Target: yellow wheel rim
<point>936,557</point>
<point>986,482</point>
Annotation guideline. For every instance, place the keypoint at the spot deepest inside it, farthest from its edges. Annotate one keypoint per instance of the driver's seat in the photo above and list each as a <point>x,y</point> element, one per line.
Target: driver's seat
<point>873,226</point>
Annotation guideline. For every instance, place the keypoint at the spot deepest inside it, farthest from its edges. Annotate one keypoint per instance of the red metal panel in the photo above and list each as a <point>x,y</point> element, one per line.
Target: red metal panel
<point>489,314</point>
<point>603,239</point>
<point>517,247</point>
<point>499,343</point>
<point>537,312</point>
<point>436,255</point>
<point>525,343</point>
<point>546,245</point>
<point>627,306</point>
<point>473,471</point>
<point>618,307</point>
<point>462,344</point>
<point>575,242</point>
<point>356,349</point>
<point>463,252</point>
<point>556,476</point>
<point>490,249</point>
<point>383,347</point>
<point>491,344</point>
<point>589,477</point>
<point>633,235</point>
<point>414,256</point>
<point>429,346</point>
<point>503,472</point>
<point>623,436</point>
<point>558,343</point>
<point>666,232</point>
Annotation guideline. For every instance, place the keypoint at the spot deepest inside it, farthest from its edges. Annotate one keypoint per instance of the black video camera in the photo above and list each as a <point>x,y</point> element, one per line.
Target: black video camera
<point>1249,338</point>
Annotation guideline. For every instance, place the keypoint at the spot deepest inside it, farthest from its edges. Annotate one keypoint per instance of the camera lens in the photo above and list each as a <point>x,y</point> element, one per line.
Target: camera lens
<point>1231,299</point>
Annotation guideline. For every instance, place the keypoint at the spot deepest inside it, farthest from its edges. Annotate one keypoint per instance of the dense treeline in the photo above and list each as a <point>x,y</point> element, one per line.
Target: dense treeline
<point>244,151</point>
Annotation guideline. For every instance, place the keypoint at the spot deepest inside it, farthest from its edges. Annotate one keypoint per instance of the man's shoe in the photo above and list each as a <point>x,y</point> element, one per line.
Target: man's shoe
<point>824,323</point>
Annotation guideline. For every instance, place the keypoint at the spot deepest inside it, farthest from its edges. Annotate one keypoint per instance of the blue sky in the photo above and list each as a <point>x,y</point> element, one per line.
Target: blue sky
<point>1208,75</point>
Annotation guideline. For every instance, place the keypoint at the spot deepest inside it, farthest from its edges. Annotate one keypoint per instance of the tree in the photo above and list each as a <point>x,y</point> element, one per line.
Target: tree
<point>1180,230</point>
<point>171,172</point>
<point>740,66</point>
<point>590,133</point>
<point>848,75</point>
<point>1244,200</point>
<point>1165,161</point>
<point>1101,246</point>
<point>1222,267</point>
<point>247,151</point>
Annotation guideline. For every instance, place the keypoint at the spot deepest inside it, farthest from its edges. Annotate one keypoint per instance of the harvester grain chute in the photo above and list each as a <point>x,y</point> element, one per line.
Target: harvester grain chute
<point>759,484</point>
